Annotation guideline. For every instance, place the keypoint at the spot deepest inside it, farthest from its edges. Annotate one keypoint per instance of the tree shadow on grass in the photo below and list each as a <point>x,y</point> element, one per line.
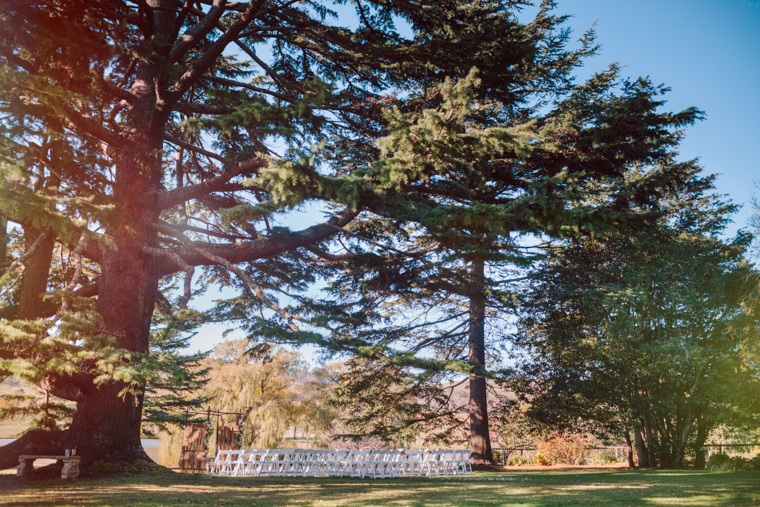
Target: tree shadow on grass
<point>550,489</point>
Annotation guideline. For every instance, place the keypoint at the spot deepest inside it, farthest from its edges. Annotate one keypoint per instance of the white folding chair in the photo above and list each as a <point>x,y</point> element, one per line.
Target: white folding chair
<point>228,461</point>
<point>378,464</point>
<point>356,463</point>
<point>410,463</point>
<point>446,462</point>
<point>430,463</point>
<point>335,463</point>
<point>212,466</point>
<point>241,463</point>
<point>462,460</point>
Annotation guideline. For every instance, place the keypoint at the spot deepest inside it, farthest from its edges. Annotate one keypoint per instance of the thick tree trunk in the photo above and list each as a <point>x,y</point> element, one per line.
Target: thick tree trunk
<point>629,447</point>
<point>665,441</point>
<point>36,271</point>
<point>33,442</point>
<point>4,238</point>
<point>480,440</point>
<point>684,438</point>
<point>641,448</point>
<point>700,461</point>
<point>650,439</point>
<point>106,426</point>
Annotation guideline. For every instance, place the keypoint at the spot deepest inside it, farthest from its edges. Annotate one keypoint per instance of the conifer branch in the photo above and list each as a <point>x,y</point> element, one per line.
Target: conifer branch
<point>179,195</point>
<point>194,34</point>
<point>205,62</point>
<point>187,108</point>
<point>118,92</point>
<point>246,251</point>
<point>329,256</point>
<point>85,126</point>
<point>69,289</point>
<point>192,147</point>
<point>50,308</point>
<point>208,232</point>
<point>256,288</point>
<point>189,271</point>
<point>238,187</point>
<point>29,253</point>
<point>271,73</point>
<point>230,82</point>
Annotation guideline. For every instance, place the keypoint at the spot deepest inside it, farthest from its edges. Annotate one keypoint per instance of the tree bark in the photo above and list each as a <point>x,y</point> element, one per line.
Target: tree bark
<point>649,435</point>
<point>641,449</point>
<point>700,461</point>
<point>663,431</point>
<point>36,271</point>
<point>684,437</point>
<point>106,425</point>
<point>629,448</point>
<point>4,238</point>
<point>480,441</point>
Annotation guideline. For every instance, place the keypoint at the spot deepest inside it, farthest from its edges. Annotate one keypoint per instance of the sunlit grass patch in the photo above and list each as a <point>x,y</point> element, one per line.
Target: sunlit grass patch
<point>518,489</point>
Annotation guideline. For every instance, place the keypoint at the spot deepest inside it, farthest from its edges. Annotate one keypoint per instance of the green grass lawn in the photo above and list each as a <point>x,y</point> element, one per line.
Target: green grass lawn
<point>552,488</point>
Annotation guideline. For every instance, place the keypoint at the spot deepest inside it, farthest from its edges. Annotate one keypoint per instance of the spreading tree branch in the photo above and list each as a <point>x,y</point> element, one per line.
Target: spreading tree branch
<point>246,251</point>
<point>179,195</point>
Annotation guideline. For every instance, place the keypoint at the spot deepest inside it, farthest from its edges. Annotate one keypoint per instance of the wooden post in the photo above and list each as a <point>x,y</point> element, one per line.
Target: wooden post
<point>216,446</point>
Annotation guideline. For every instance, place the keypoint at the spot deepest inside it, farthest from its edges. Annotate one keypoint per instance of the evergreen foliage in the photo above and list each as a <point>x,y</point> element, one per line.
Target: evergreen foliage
<point>481,184</point>
<point>155,145</point>
<point>147,139</point>
<point>174,387</point>
<point>643,331</point>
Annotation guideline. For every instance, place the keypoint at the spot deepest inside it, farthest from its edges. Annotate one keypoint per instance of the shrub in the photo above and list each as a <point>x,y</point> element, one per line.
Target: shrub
<point>605,458</point>
<point>718,460</point>
<point>518,461</point>
<point>564,448</point>
<point>739,463</point>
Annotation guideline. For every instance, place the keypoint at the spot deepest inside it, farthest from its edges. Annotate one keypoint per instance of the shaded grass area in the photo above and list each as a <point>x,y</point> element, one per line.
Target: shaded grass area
<point>523,489</point>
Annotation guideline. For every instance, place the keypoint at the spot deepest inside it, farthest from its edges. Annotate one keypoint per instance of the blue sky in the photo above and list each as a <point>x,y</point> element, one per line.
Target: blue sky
<point>707,52</point>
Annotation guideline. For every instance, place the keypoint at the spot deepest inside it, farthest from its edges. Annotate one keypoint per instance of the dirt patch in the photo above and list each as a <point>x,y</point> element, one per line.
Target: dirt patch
<point>537,468</point>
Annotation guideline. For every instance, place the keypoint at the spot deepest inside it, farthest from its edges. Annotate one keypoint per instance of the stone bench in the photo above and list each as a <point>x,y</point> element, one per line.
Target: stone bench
<point>70,465</point>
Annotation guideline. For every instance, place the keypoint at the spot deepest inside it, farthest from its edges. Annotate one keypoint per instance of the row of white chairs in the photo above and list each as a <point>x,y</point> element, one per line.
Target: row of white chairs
<point>326,463</point>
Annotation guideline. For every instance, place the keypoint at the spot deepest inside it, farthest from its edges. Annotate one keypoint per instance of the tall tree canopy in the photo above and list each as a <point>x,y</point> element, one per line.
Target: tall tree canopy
<point>483,182</point>
<point>646,331</point>
<point>142,139</point>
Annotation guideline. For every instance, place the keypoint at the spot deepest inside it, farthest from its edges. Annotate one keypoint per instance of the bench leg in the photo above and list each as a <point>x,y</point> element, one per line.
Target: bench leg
<point>70,469</point>
<point>25,467</point>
